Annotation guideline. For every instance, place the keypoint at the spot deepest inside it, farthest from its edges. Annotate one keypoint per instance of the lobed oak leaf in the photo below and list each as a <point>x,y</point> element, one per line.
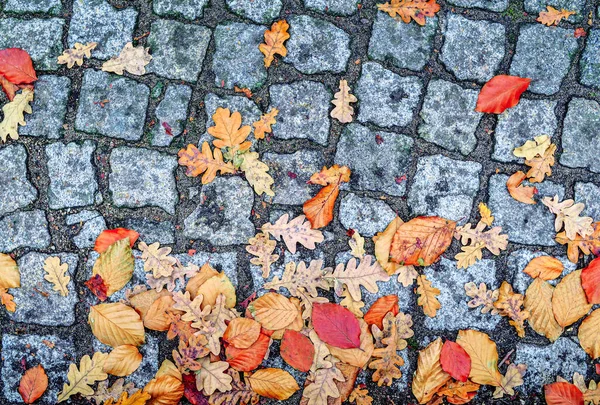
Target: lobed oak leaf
<point>541,165</point>
<point>122,361</point>
<point>430,376</point>
<point>256,174</point>
<point>500,93</point>
<point>180,273</point>
<point>410,9</point>
<point>137,398</point>
<point>518,191</point>
<point>116,324</point>
<point>297,277</point>
<point>10,277</point>
<point>205,162</point>
<point>6,299</point>
<point>334,175</point>
<point>263,125</point>
<point>366,274</point>
<point>242,332</point>
<point>421,241</point>
<point>80,379</point>
<point>293,232</point>
<point>14,114</point>
<point>544,267</point>
<point>587,244</point>
<point>552,16</point>
<point>380,308</point>
<point>351,304</point>
<point>75,55</point>
<point>273,383</point>
<point>567,214</point>
<point>274,39</point>
<point>509,304</point>
<point>562,393</point>
<point>164,390</point>
<point>531,149</point>
<point>250,358</point>
<point>469,255</point>
<point>103,392</point>
<point>484,357</point>
<point>16,66</point>
<point>55,274</point>
<point>343,111</point>
<point>322,355</point>
<point>590,281</point>
<point>131,59</point>
<point>360,396</point>
<point>240,394</point>
<point>212,377</point>
<point>486,214</point>
<point>427,296</point>
<point>407,275</point>
<point>511,379</point>
<point>336,326</point>
<point>579,32</point>
<point>115,266</point>
<point>569,302</point>
<point>386,361</point>
<point>273,311</point>
<point>297,350</point>
<point>360,356</point>
<point>589,334</point>
<point>229,131</point>
<point>455,361</point>
<point>33,384</point>
<point>110,236</point>
<point>538,301</point>
<point>491,239</point>
<point>323,386</point>
<point>308,301</point>
<point>481,297</point>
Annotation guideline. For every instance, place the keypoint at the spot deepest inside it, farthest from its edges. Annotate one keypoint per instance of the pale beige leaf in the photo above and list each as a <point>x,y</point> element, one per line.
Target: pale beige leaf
<point>14,114</point>
<point>273,383</point>
<point>589,334</point>
<point>491,239</point>
<point>122,361</point>
<point>484,357</point>
<point>241,393</point>
<point>212,377</point>
<point>273,311</point>
<point>406,275</point>
<point>541,165</point>
<point>357,357</point>
<point>567,214</point>
<point>469,255</point>
<point>80,379</point>
<point>353,306</point>
<point>511,379</point>
<point>308,301</point>
<point>383,244</point>
<point>75,55</point>
<point>56,274</point>
<point>180,273</point>
<point>366,274</point>
<point>194,283</point>
<point>386,361</point>
<point>532,148</point>
<point>343,111</point>
<point>299,276</point>
<point>213,287</point>
<point>569,302</point>
<point>486,214</point>
<point>256,174</point>
<point>131,59</point>
<point>323,386</point>
<point>116,324</point>
<point>261,247</point>
<point>298,230</point>
<point>213,325</point>
<point>429,376</point>
<point>357,245</point>
<point>141,299</point>
<point>427,296</point>
<point>509,304</point>
<point>538,301</point>
<point>10,277</point>
<point>481,297</point>
<point>115,266</point>
<point>157,260</point>
<point>322,353</point>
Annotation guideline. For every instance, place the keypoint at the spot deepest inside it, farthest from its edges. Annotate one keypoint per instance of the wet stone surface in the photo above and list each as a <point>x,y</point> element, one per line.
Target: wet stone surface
<point>365,215</point>
<point>15,189</point>
<point>24,229</point>
<point>49,107</point>
<point>580,146</point>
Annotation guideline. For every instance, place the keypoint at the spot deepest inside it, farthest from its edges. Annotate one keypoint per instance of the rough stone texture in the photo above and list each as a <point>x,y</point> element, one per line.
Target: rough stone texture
<point>377,164</point>
<point>588,194</point>
<point>472,50</point>
<point>303,110</point>
<point>98,21</point>
<point>52,310</point>
<point>24,229</point>
<point>223,216</point>
<point>237,60</point>
<point>535,6</point>
<point>340,7</point>
<point>316,45</point>
<point>190,9</point>
<point>87,225</point>
<point>15,189</point>
<point>454,313</point>
<point>247,108</point>
<point>444,187</point>
<point>589,67</point>
<point>177,49</point>
<point>291,173</point>
<point>518,260</point>
<point>46,47</point>
<point>72,175</point>
<point>259,11</point>
<point>494,5</point>
<point>386,99</point>
<point>525,224</point>
<point>171,114</point>
<point>579,143</point>
<point>404,45</point>
<point>150,231</point>
<point>554,46</point>
<point>49,107</point>
<point>365,215</point>
<point>517,125</point>
<point>449,116</point>
<point>33,6</point>
<point>122,116</point>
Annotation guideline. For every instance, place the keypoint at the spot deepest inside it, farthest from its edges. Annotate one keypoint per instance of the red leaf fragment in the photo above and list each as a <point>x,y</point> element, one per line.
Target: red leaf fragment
<point>500,93</point>
<point>297,350</point>
<point>110,236</point>
<point>336,326</point>
<point>380,308</point>
<point>579,32</point>
<point>563,393</point>
<point>97,286</point>
<point>10,89</point>
<point>167,128</point>
<point>590,281</point>
<point>455,361</point>
<point>16,66</point>
<point>191,392</point>
<point>248,359</point>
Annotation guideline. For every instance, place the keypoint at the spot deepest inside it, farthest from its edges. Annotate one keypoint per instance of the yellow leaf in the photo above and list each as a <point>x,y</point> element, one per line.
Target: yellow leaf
<point>261,247</point>
<point>569,302</point>
<point>552,16</point>
<point>164,390</point>
<point>429,376</point>
<point>14,114</point>
<point>157,260</point>
<point>198,163</point>
<point>10,277</point>
<point>360,396</point>
<point>513,378</point>
<point>544,267</point>
<point>116,324</point>
<point>538,301</point>
<point>481,296</point>
<point>132,60</point>
<point>219,284</point>
<point>263,125</point>
<point>343,111</point>
<point>486,214</point>
<point>360,356</point>
<point>484,357</point>
<point>469,255</point>
<point>142,299</point>
<point>274,39</point>
<point>353,306</point>
<point>156,317</point>
<point>589,334</point>
<point>273,383</point>
<point>293,232</point>
<point>242,332</point>
<point>541,165</point>
<point>115,266</point>
<point>122,361</point>
<point>531,149</point>
<point>407,9</point>
<point>206,272</point>
<point>383,244</point>
<point>137,398</point>
<point>273,311</point>
<point>212,376</point>
<point>80,379</point>
<point>256,174</point>
<point>229,131</point>
<point>427,296</point>
<point>55,274</point>
<point>75,55</point>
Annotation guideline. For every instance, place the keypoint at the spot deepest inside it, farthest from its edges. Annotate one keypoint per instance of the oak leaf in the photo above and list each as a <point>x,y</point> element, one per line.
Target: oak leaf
<point>116,324</point>
<point>538,301</point>
<point>14,114</point>
<point>491,239</point>
<point>6,299</point>
<point>590,281</point>
<point>421,241</point>
<point>407,275</point>
<point>511,379</point>
<point>80,379</point>
<point>430,376</point>
<point>541,165</point>
<point>567,214</point>
<point>115,266</point>
<point>562,393</point>
<point>33,384</point>
<point>293,232</point>
<point>55,274</point>
<point>75,55</point>
<point>240,394</point>
<point>410,9</point>
<point>544,267</point>
<point>263,125</point>
<point>454,390</point>
<point>16,66</point>
<point>131,59</point>
<point>323,386</point>
<point>180,273</point>
<point>308,302</point>
<point>500,93</point>
<point>509,304</point>
<point>589,334</point>
<point>137,398</point>
<point>552,16</point>
<point>591,392</point>
<point>518,191</point>
<point>588,244</point>
<point>242,332</point>
<point>212,377</point>
<point>486,214</point>
<point>164,390</point>
<point>204,162</point>
<point>273,383</point>
<point>484,357</point>
<point>103,392</point>
<point>10,277</point>
<point>319,209</point>
<point>110,236</point>
<point>386,361</point>
<point>297,277</point>
<point>366,274</point>
<point>359,356</point>
<point>229,131</point>
<point>427,296</point>
<point>469,255</point>
<point>481,296</point>
<point>343,111</point>
<point>322,355</point>
<point>531,149</point>
<point>122,361</point>
<point>360,396</point>
<point>273,311</point>
<point>569,302</point>
<point>351,304</point>
<point>336,325</point>
<point>256,174</point>
<point>274,39</point>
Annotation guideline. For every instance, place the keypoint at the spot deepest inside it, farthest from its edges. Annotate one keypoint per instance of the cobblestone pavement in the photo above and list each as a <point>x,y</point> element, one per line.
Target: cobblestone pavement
<point>95,155</point>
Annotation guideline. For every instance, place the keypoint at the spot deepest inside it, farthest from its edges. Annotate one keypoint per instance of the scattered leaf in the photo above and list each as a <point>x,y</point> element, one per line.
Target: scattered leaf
<point>567,214</point>
<point>588,244</point>
<point>343,111</point>
<point>6,299</point>
<point>422,240</point>
<point>33,384</point>
<point>541,165</point>
<point>360,396</point>
<point>531,149</point>
<point>359,356</point>
<point>336,326</point>
<point>518,191</point>
<point>229,132</point>
<point>164,390</point>
<point>242,332</point>
<point>509,304</point>
<point>297,350</point>
<point>569,302</point>
<point>323,386</point>
<point>552,16</point>
<point>429,376</point>
<point>256,174</point>
<point>55,274</point>
<point>589,334</point>
<point>10,277</point>
<point>427,296</point>
<point>215,286</point>
<point>75,55</point>
<point>406,10</point>
<point>273,383</point>
<point>455,361</point>
<point>484,357</point>
<point>248,359</point>
<point>212,377</point>
<point>131,59</point>
<point>122,361</point>
<point>274,39</point>
<point>562,393</point>
<point>204,162</point>
<point>481,297</point>
<point>365,275</point>
<point>80,379</point>
<point>538,301</point>
<point>544,267</point>
<point>115,266</point>
<point>293,232</point>
<point>380,308</point>
<point>273,311</point>
<point>263,125</point>
<point>14,114</point>
<point>500,93</point>
<point>156,317</point>
<point>110,236</point>
<point>116,324</point>
<point>319,209</point>
<point>357,245</point>
<point>486,214</point>
<point>16,66</point>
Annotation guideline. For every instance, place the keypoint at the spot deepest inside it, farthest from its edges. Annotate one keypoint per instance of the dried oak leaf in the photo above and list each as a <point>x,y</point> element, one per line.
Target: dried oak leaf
<point>263,125</point>
<point>204,162</point>
<point>509,304</point>
<point>357,245</point>
<point>80,379</point>
<point>422,240</point>
<point>297,277</point>
<point>544,267</point>
<point>274,39</point>
<point>14,114</point>
<point>469,255</point>
<point>491,239</point>
<point>567,214</point>
<point>386,361</point>
<point>33,384</point>
<point>430,376</point>
<point>589,334</point>
<point>360,396</point>
<point>511,379</point>
<point>131,59</point>
<point>157,260</point>
<point>293,232</point>
<point>212,377</point>
<point>538,301</point>
<point>343,111</point>
<point>406,10</point>
<point>256,174</point>
<point>115,266</point>
<point>500,93</point>
<point>16,66</point>
<point>137,398</point>
<point>352,305</point>
<point>323,386</point>
<point>531,149</point>
<point>55,274</point>
<point>541,165</point>
<point>10,277</point>
<point>319,209</point>
<point>458,391</point>
<point>75,55</point>
<point>6,299</point>
<point>240,393</point>
<point>427,296</point>
<point>180,273</point>
<point>365,275</point>
<point>569,302</point>
<point>486,214</point>
<point>482,297</point>
<point>552,16</point>
<point>273,383</point>
<point>229,132</point>
<point>518,191</point>
<point>587,244</point>
<point>103,392</point>
<point>122,361</point>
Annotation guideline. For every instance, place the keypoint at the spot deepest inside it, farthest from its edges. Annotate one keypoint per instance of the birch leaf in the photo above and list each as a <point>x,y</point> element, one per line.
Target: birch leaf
<point>14,114</point>
<point>131,59</point>
<point>256,174</point>
<point>343,111</point>
<point>293,232</point>
<point>55,274</point>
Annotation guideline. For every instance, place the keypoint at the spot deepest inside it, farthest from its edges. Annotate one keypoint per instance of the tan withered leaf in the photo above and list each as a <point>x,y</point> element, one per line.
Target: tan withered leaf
<point>481,296</point>
<point>567,214</point>
<point>122,361</point>
<point>242,332</point>
<point>541,165</point>
<point>273,383</point>
<point>229,132</point>
<point>261,247</point>
<point>492,239</point>
<point>6,299</point>
<point>206,272</point>
<point>296,277</point>
<point>360,396</point>
<point>386,361</point>
<point>469,255</point>
<point>137,398</point>
<point>323,386</point>
<point>322,354</point>
<point>588,244</point>
<point>273,311</point>
<point>103,393</point>
<point>383,244</point>
<point>33,384</point>
<point>538,301</point>
<point>422,240</point>
<point>116,324</point>
<point>351,304</point>
<point>518,191</point>
<point>406,10</point>
<point>358,357</point>
<point>509,304</point>
<point>140,298</point>
<point>357,245</point>
<point>552,16</point>
<point>75,55</point>
<point>263,125</point>
<point>544,267</point>
<point>131,59</point>
<point>156,317</point>
<point>569,302</point>
<point>365,275</point>
<point>511,379</point>
<point>293,232</point>
<point>212,377</point>
<point>274,39</point>
<point>530,149</point>
<point>458,389</point>
<point>589,334</point>
<point>241,393</point>
<point>10,277</point>
<point>168,368</point>
<point>407,275</point>
<point>156,259</point>
<point>204,162</point>
<point>55,274</point>
<point>591,392</point>
<point>486,214</point>
<point>80,379</point>
<point>427,296</point>
<point>115,266</point>
<point>429,376</point>
<point>14,114</point>
<point>343,111</point>
<point>484,357</point>
<point>164,390</point>
<point>256,174</point>
<point>180,273</point>
<point>215,286</point>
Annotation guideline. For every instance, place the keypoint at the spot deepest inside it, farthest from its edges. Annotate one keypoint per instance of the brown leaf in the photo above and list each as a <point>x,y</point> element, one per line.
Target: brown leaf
<point>319,209</point>
<point>7,300</point>
<point>323,386</point>
<point>273,311</point>
<point>552,16</point>
<point>486,214</point>
<point>263,125</point>
<point>587,245</point>
<point>491,239</point>
<point>241,393</point>
<point>156,317</point>
<point>544,267</point>
<point>511,379</point>
<point>481,297</point>
<point>274,39</point>
<point>386,359</point>
<point>509,304</point>
<point>421,241</point>
<point>518,191</point>
<point>343,112</point>
<point>194,283</point>
<point>429,377</point>
<point>406,10</point>
<point>531,149</point>
<point>427,296</point>
<point>589,334</point>
<point>541,165</point>
<point>569,302</point>
<point>215,286</point>
<point>242,332</point>
<point>484,357</point>
<point>73,56</point>
<point>116,324</point>
<point>256,174</point>
<point>33,384</point>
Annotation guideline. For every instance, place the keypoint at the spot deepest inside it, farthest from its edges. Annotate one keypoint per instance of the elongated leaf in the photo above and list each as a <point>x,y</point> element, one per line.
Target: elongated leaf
<point>590,281</point>
<point>429,376</point>
<point>110,236</point>
<point>273,311</point>
<point>16,66</point>
<point>122,361</point>
<point>33,384</point>
<point>353,277</point>
<point>455,361</point>
<point>544,267</point>
<point>80,379</point>
<point>336,325</point>
<point>274,39</point>
<point>569,302</point>
<point>273,383</point>
<point>538,301</point>
<point>116,324</point>
<point>250,358</point>
<point>589,334</point>
<point>501,92</point>
<point>484,357</point>
<point>115,266</point>
<point>55,274</point>
<point>293,232</point>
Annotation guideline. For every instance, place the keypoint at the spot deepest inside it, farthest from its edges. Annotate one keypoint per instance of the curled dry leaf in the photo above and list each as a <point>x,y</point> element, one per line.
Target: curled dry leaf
<point>590,281</point>
<point>33,384</point>
<point>430,376</point>
<point>531,149</point>
<point>538,301</point>
<point>180,273</point>
<point>336,326</point>
<point>552,16</point>
<point>273,311</point>
<point>256,174</point>
<point>103,393</point>
<point>544,267</point>
<point>427,296</point>
<point>131,59</point>
<point>541,165</point>
<point>486,214</point>
<point>293,232</point>
<point>518,191</point>
<point>351,304</point>
<point>357,245</point>
<point>212,377</point>
<point>500,93</point>
<point>110,236</point>
<point>380,308</point>
<point>115,266</point>
<point>274,39</point>
<point>484,357</point>
<point>273,383</point>
<point>569,302</point>
<point>297,350</point>
<point>458,392</point>
<point>383,244</point>
<point>75,55</point>
<point>421,241</point>
<point>406,10</point>
<point>122,361</point>
<point>319,209</point>
<point>263,125</point>
<point>204,162</point>
<point>481,297</point>
<point>80,379</point>
<point>55,274</point>
<point>116,324</point>
<point>589,334</point>
<point>205,273</point>
<point>156,317</point>
<point>14,114</point>
<point>343,111</point>
<point>509,304</point>
<point>242,332</point>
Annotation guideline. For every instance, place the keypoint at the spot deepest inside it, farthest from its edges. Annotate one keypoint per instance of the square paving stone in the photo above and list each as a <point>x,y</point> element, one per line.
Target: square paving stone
<point>223,216</point>
<point>177,49</point>
<point>517,125</point>
<point>494,5</point>
<point>455,313</point>
<point>247,108</point>
<point>34,351</point>
<point>98,21</point>
<point>237,61</point>
<point>444,187</point>
<point>122,116</point>
<point>151,231</point>
<point>171,115</point>
<point>72,175</point>
<point>49,107</point>
<point>449,116</point>
<point>580,140</point>
<point>141,178</point>
<point>378,160</point>
<point>291,173</point>
<point>406,46</point>
<point>259,11</point>
<point>387,99</point>
<point>15,189</point>
<point>303,111</point>
<point>24,229</point>
<point>589,65</point>
<point>190,9</point>
<point>535,6</point>
<point>472,49</point>
<point>46,47</point>
<point>589,194</point>
<point>32,307</point>
<point>339,7</point>
<point>519,259</point>
<point>524,223</point>
<point>88,225</point>
<point>365,215</point>
<point>52,7</point>
<point>316,46</point>
<point>544,55</point>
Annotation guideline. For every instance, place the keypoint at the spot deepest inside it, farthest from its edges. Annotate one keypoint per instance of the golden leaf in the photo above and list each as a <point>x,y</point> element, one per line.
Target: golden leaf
<point>80,379</point>
<point>213,287</point>
<point>7,300</point>
<point>357,357</point>
<point>75,55</point>
<point>552,16</point>
<point>14,114</point>
<point>589,334</point>
<point>541,165</point>
<point>323,386</point>
<point>360,396</point>
<point>486,214</point>
<point>274,39</point>
<point>261,247</point>
<point>458,389</point>
<point>55,274</point>
<point>141,299</point>
<point>509,304</point>
<point>587,245</point>
<point>293,232</point>
<point>357,245</point>
<point>422,240</point>
<point>137,398</point>
<point>518,191</point>
<point>256,174</point>
<point>383,244</point>
<point>263,125</point>
<point>103,393</point>
<point>319,209</point>
<point>569,302</point>
<point>122,361</point>
<point>273,311</point>
<point>481,296</point>
<point>198,163</point>
<point>469,255</point>
<point>429,376</point>
<point>156,317</point>
<point>157,260</point>
<point>365,275</point>
<point>115,266</point>
<point>10,277</point>
<point>531,149</point>
<point>544,267</point>
<point>352,305</point>
<point>116,324</point>
<point>427,296</point>
<point>567,214</point>
<point>511,379</point>
<point>273,383</point>
<point>164,390</point>
<point>132,60</point>
<point>406,275</point>
<point>206,272</point>
<point>343,111</point>
<point>484,357</point>
<point>168,368</point>
<point>407,9</point>
<point>229,131</point>
<point>538,301</point>
<point>242,332</point>
<point>212,377</point>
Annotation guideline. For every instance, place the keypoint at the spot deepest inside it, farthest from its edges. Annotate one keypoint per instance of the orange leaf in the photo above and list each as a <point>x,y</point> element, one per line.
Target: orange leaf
<point>500,93</point>
<point>334,175</point>
<point>250,358</point>
<point>297,350</point>
<point>110,236</point>
<point>590,281</point>
<point>242,333</point>
<point>263,125</point>
<point>10,89</point>
<point>518,191</point>
<point>553,16</point>
<point>380,308</point>
<point>587,245</point>
<point>164,390</point>
<point>319,209</point>
<point>563,393</point>
<point>156,317</point>
<point>273,383</point>
<point>229,131</point>
<point>274,39</point>
<point>33,384</point>
<point>455,361</point>
<point>544,267</point>
<point>203,162</point>
<point>407,9</point>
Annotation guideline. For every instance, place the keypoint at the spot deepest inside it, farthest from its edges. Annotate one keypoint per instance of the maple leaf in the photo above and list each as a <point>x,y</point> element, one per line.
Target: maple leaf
<point>588,244</point>
<point>569,302</point>
<point>531,149</point>
<point>256,174</point>
<point>212,377</point>
<point>55,274</point>
<point>204,162</point>
<point>511,379</point>
<point>103,392</point>
<point>73,56</point>
<point>509,304</point>
<point>486,214</point>
<point>518,191</point>
<point>319,209</point>
<point>240,393</point>
<point>299,277</point>
<point>482,297</point>
<point>541,165</point>
<point>229,131</point>
<point>553,16</point>
<point>500,93</point>
<point>343,111</point>
<point>410,9</point>
<point>427,296</point>
<point>274,39</point>
<point>180,272</point>
<point>131,59</point>
<point>33,384</point>
<point>366,274</point>
<point>422,240</point>
<point>491,239</point>
<point>567,214</point>
<point>157,259</point>
<point>293,232</point>
<point>429,376</point>
<point>14,114</point>
<point>261,247</point>
<point>538,301</point>
<point>273,383</point>
<point>80,379</point>
<point>263,125</point>
<point>16,66</point>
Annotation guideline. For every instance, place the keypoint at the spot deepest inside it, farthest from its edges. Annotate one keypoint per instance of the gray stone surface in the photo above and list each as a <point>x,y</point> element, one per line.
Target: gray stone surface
<point>449,116</point>
<point>140,178</point>
<point>316,46</point>
<point>291,173</point>
<point>404,45</point>
<point>15,189</point>
<point>535,6</point>
<point>472,49</point>
<point>190,9</point>
<point>151,231</point>
<point>33,6</point>
<point>72,175</point>
<point>378,160</point>
<point>579,141</point>
<point>524,223</point>
<point>237,61</point>
<point>341,7</point>
<point>122,116</point>
<point>88,225</point>
<point>49,107</point>
<point>303,110</point>
<point>223,216</point>
<point>444,187</point>
<point>517,125</point>
<point>171,114</point>
<point>24,229</point>
<point>454,313</point>
<point>519,259</point>
<point>588,194</point>
<point>365,215</point>
<point>494,5</point>
<point>386,99</point>
<point>589,65</point>
<point>98,21</point>
<point>556,47</point>
<point>46,47</point>
<point>177,49</point>
<point>33,307</point>
<point>247,108</point>
<point>259,11</point>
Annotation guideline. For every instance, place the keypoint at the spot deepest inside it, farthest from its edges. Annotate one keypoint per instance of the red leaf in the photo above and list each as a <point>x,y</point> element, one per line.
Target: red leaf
<point>500,93</point>
<point>297,350</point>
<point>10,89</point>
<point>590,281</point>
<point>110,236</point>
<point>250,358</point>
<point>97,286</point>
<point>16,66</point>
<point>598,369</point>
<point>33,384</point>
<point>380,308</point>
<point>191,392</point>
<point>563,393</point>
<point>336,326</point>
<point>455,361</point>
<point>579,32</point>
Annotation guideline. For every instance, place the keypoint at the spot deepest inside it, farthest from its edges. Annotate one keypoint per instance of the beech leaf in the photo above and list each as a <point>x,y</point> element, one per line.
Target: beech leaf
<point>429,376</point>
<point>273,311</point>
<point>422,240</point>
<point>562,393</point>
<point>115,266</point>
<point>484,357</point>
<point>297,350</point>
<point>33,384</point>
<point>10,277</point>
<point>16,66</point>
<point>500,93</point>
<point>590,281</point>
<point>455,361</point>
<point>122,361</point>
<point>538,301</point>
<point>518,191</point>
<point>544,267</point>
<point>110,236</point>
<point>336,326</point>
<point>116,324</point>
<point>569,302</point>
<point>589,334</point>
<point>273,383</point>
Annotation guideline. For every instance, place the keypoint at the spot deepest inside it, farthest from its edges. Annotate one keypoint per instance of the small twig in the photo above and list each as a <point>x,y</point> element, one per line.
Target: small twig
<point>507,356</point>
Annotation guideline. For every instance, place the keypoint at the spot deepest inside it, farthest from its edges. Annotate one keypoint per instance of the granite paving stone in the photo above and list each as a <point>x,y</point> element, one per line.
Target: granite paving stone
<point>519,259</point>
<point>52,7</point>
<point>152,231</point>
<point>535,6</point>
<point>49,107</point>
<point>339,7</point>
<point>44,51</point>
<point>16,191</point>
<point>579,142</point>
<point>589,195</point>
<point>589,67</point>
<point>171,115</point>
<point>24,229</point>
<point>190,9</point>
<point>259,11</point>
<point>365,215</point>
<point>86,226</point>
<point>493,5</point>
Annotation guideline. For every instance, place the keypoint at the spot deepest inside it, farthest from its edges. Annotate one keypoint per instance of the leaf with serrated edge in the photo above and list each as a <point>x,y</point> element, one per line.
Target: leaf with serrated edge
<point>569,302</point>
<point>484,357</point>
<point>293,232</point>
<point>531,149</point>
<point>273,383</point>
<point>273,311</point>
<point>131,59</point>
<point>486,214</point>
<point>55,274</point>
<point>115,266</point>
<point>75,55</point>
<point>263,126</point>
<point>365,275</point>
<point>427,296</point>
<point>274,39</point>
<point>14,114</point>
<point>205,162</point>
<point>116,324</point>
<point>80,379</point>
<point>538,301</point>
<point>242,332</point>
<point>429,376</point>
<point>212,377</point>
<point>10,277</point>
